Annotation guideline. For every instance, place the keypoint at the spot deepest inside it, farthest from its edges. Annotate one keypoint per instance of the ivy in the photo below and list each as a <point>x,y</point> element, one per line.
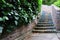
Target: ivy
<point>14,13</point>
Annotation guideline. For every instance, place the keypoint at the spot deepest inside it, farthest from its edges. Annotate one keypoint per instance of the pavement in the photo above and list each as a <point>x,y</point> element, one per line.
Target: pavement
<point>44,36</point>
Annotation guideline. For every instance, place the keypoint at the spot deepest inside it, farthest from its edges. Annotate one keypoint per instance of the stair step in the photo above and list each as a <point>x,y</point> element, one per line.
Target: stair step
<point>45,22</point>
<point>44,31</point>
<point>40,25</point>
<point>38,28</point>
<point>41,20</point>
<point>45,19</point>
<point>58,31</point>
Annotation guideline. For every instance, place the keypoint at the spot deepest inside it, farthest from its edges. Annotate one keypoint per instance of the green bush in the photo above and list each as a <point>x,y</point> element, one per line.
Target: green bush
<point>14,13</point>
<point>57,3</point>
<point>48,2</point>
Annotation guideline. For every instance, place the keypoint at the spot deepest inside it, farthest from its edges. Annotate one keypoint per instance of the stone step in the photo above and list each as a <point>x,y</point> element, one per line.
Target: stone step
<point>40,25</point>
<point>39,28</point>
<point>45,20</point>
<point>58,31</point>
<point>44,31</point>
<point>45,23</point>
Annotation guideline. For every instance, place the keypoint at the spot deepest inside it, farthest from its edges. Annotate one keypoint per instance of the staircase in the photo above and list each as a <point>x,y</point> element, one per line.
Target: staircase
<point>45,24</point>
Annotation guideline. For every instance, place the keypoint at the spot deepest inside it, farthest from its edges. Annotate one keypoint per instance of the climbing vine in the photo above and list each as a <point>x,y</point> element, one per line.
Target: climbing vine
<point>14,13</point>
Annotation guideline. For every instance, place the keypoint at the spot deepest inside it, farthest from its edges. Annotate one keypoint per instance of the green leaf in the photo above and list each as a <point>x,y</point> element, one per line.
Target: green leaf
<point>5,18</point>
<point>9,31</point>
<point>16,23</point>
<point>1,19</point>
<point>1,28</point>
<point>17,18</point>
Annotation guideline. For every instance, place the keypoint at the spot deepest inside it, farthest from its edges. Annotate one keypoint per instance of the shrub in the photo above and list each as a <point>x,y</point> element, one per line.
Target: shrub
<point>48,2</point>
<point>14,13</point>
<point>57,3</point>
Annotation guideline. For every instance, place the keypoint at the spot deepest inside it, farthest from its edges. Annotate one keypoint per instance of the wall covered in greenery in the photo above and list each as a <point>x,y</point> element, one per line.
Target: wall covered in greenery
<point>14,13</point>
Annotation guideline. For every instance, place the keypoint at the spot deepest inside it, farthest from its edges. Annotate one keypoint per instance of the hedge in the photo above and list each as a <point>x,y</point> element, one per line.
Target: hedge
<point>57,3</point>
<point>14,13</point>
<point>48,2</point>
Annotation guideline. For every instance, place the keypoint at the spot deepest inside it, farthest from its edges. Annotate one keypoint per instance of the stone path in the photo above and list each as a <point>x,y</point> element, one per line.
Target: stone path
<point>45,36</point>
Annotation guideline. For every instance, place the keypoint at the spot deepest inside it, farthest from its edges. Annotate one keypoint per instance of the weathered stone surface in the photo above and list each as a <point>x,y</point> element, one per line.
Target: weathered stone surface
<point>43,36</point>
<point>56,16</point>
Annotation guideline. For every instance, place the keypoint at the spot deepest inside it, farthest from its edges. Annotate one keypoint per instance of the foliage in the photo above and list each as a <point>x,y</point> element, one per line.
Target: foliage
<point>48,2</point>
<point>57,3</point>
<point>17,12</point>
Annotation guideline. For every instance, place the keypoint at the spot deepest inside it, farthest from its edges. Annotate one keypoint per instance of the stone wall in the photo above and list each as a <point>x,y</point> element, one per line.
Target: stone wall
<point>56,16</point>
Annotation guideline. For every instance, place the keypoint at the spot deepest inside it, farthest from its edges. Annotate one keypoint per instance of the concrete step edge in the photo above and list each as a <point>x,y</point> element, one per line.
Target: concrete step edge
<point>45,27</point>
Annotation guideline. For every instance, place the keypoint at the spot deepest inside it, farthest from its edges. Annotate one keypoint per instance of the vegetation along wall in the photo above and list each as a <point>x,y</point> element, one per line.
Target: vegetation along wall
<point>57,3</point>
<point>48,2</point>
<point>15,13</point>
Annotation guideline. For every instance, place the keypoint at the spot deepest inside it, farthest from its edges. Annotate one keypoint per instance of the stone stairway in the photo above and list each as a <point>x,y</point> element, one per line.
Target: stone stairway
<point>45,24</point>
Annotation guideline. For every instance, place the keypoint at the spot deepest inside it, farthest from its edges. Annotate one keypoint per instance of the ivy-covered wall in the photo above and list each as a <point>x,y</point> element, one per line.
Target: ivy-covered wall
<point>14,13</point>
